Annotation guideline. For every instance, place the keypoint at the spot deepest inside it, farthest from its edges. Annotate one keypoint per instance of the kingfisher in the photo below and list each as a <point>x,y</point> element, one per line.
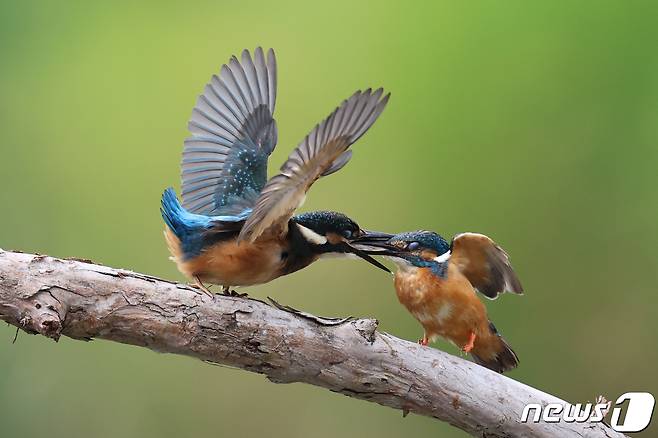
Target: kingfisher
<point>235,227</point>
<point>437,283</point>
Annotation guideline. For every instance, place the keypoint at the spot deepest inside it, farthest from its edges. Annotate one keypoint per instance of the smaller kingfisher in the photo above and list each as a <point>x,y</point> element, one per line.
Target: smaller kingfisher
<point>236,228</point>
<point>436,282</point>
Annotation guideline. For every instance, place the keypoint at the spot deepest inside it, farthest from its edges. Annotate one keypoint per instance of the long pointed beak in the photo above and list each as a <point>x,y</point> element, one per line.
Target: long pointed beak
<point>373,236</point>
<point>382,250</point>
<point>359,253</point>
<point>376,243</point>
<point>364,249</point>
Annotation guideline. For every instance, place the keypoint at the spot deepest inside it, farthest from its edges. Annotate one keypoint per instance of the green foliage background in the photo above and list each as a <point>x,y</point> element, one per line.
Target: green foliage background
<point>532,122</point>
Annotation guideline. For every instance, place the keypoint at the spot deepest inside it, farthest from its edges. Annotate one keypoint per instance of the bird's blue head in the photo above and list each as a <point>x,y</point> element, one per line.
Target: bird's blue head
<point>415,248</point>
<point>331,225</point>
<point>332,233</point>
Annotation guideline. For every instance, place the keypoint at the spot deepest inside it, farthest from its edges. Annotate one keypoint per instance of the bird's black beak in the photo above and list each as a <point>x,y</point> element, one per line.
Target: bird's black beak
<point>376,243</point>
<point>373,236</point>
<point>353,247</point>
<point>362,254</point>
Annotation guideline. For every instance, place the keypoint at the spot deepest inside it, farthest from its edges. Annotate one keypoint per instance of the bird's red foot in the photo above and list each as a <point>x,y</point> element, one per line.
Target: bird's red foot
<point>424,342</point>
<point>470,344</point>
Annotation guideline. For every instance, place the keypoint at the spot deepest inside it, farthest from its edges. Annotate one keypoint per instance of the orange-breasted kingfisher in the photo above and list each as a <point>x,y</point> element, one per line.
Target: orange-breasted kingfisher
<point>236,228</point>
<point>437,283</point>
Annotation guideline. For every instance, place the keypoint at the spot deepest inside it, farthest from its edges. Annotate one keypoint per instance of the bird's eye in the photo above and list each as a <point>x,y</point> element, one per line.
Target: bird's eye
<point>347,234</point>
<point>413,246</point>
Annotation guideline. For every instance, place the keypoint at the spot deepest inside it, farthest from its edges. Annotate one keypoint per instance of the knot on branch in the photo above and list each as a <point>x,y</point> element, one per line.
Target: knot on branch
<point>366,328</point>
<point>41,313</point>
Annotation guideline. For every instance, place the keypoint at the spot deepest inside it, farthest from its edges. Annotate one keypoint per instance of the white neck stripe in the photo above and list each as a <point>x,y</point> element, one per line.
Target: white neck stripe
<point>443,257</point>
<point>311,236</point>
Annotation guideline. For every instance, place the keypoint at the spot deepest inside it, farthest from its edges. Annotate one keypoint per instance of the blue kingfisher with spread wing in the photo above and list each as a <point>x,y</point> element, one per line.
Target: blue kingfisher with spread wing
<point>436,282</point>
<point>235,227</point>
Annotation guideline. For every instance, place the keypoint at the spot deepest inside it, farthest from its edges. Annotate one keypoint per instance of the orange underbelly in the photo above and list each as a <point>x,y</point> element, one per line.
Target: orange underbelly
<point>444,307</point>
<point>230,264</point>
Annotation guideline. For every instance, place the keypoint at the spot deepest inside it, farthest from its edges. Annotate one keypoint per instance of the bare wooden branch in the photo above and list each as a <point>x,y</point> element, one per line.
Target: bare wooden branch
<point>82,300</point>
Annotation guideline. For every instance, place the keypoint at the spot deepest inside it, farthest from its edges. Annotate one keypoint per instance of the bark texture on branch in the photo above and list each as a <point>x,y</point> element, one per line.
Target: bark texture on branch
<point>81,300</point>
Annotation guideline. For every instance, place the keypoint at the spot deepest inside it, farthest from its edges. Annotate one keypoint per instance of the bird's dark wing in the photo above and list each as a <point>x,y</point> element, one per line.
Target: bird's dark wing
<point>485,264</point>
<point>322,152</point>
<point>224,165</point>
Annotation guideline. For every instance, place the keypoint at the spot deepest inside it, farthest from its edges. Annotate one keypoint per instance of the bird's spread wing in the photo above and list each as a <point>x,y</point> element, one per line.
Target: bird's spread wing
<point>485,264</point>
<point>322,152</point>
<point>224,165</point>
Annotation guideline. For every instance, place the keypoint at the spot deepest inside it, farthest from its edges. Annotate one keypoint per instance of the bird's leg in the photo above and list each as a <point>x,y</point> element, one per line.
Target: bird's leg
<point>198,284</point>
<point>470,344</point>
<point>226,290</point>
<point>425,341</point>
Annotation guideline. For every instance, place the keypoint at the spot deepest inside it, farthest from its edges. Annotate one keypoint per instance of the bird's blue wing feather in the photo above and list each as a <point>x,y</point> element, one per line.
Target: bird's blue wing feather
<point>224,165</point>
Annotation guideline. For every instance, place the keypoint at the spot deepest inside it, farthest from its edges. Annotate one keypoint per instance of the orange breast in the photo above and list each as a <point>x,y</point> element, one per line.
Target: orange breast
<point>230,264</point>
<point>445,307</point>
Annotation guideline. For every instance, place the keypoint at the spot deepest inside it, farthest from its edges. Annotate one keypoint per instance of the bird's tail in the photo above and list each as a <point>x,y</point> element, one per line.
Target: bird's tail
<point>185,225</point>
<point>497,355</point>
<point>173,212</point>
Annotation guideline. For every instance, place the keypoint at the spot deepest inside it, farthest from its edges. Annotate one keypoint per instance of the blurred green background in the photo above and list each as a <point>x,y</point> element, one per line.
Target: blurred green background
<point>533,122</point>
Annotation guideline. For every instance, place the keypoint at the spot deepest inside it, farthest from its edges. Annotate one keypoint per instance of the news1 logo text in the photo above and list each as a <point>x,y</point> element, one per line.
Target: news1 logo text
<point>635,416</point>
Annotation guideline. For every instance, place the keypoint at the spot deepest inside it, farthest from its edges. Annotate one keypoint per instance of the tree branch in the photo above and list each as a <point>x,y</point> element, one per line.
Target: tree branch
<point>83,300</point>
